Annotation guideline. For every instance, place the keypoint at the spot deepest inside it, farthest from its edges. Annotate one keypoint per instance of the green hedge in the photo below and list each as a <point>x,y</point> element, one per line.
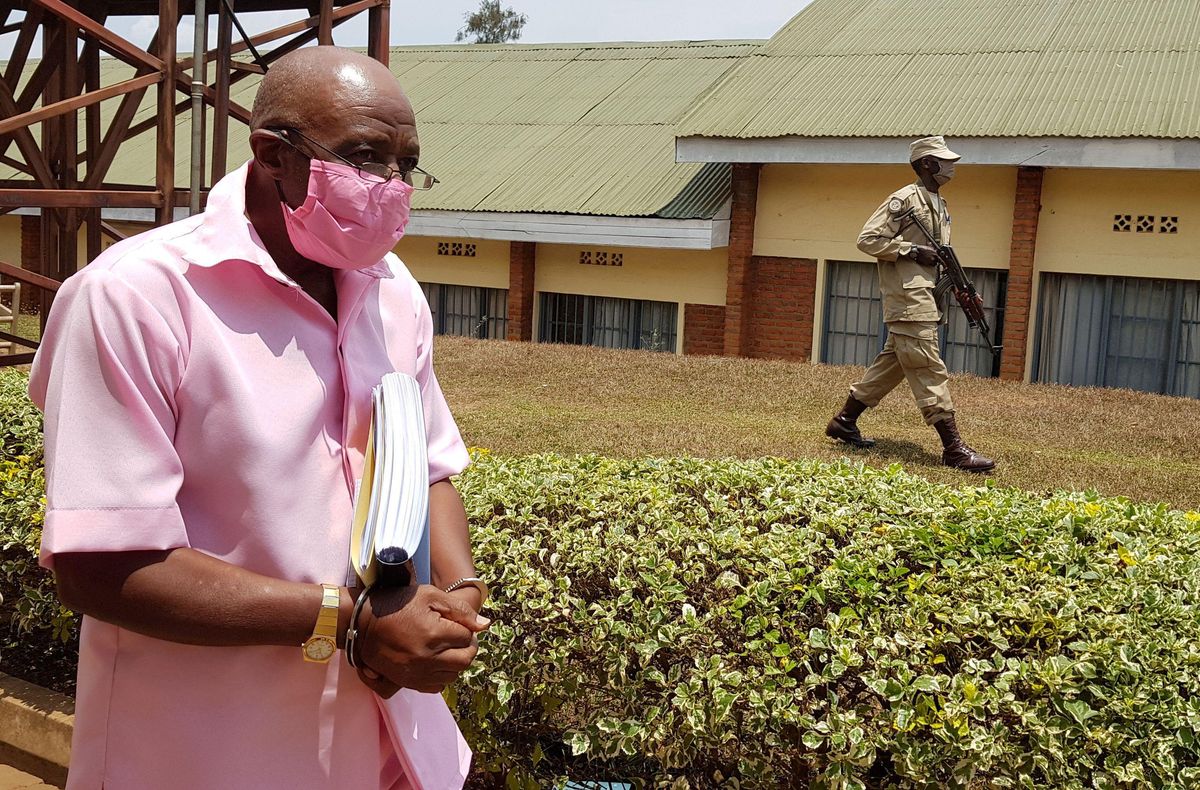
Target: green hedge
<point>28,590</point>
<point>768,624</point>
<point>787,624</point>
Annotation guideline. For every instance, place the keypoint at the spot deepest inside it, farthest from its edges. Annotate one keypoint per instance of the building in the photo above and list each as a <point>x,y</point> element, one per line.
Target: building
<point>1075,203</point>
<point>561,214</point>
<point>705,197</point>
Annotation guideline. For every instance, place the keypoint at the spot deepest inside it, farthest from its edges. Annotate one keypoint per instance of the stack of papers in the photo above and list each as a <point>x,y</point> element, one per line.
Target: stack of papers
<point>389,541</point>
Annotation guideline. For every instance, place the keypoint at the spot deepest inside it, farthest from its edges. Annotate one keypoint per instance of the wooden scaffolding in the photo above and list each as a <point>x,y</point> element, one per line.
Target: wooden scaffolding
<point>50,111</point>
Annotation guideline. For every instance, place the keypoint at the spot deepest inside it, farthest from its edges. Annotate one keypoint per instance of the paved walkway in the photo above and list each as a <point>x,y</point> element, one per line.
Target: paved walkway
<point>12,779</point>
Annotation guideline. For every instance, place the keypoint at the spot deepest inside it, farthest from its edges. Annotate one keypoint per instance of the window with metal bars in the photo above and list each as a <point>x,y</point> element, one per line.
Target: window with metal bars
<point>608,322</point>
<point>1132,332</point>
<point>855,332</point>
<point>467,310</point>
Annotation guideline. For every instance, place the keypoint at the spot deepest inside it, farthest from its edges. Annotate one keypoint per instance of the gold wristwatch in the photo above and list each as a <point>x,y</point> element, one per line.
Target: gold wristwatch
<point>321,646</point>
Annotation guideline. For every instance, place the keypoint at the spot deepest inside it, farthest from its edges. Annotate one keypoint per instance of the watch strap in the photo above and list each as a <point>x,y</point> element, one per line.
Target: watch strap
<point>327,619</point>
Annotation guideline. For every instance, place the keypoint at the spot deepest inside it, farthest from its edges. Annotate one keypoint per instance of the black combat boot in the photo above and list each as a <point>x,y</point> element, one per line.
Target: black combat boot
<point>844,428</point>
<point>957,454</point>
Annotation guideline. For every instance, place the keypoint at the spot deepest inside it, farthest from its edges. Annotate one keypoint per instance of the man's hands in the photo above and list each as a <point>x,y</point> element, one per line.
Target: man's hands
<point>416,637</point>
<point>926,256</point>
<point>469,594</point>
<point>972,306</point>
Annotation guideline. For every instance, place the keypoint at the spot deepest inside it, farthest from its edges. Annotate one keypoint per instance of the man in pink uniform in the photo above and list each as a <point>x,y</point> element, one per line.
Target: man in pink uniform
<point>207,395</point>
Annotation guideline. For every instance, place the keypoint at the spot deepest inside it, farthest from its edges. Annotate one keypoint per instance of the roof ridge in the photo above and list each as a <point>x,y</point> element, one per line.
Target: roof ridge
<point>519,45</point>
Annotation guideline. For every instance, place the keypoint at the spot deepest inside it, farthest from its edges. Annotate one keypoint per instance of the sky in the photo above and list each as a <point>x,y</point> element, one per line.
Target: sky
<point>437,21</point>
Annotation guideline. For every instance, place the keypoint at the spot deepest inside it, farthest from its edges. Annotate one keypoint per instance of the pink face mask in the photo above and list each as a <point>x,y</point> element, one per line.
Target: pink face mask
<point>347,222</point>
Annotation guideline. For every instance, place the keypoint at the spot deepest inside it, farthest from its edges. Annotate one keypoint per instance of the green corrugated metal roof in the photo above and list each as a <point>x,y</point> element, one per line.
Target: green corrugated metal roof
<point>969,68</point>
<point>556,128</point>
<point>704,196</point>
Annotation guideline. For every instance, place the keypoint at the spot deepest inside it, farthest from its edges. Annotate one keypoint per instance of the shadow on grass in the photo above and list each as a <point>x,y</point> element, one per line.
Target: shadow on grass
<point>906,452</point>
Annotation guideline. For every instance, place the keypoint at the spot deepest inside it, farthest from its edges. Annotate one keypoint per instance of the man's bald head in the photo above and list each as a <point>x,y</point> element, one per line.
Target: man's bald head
<point>346,106</point>
<point>300,85</point>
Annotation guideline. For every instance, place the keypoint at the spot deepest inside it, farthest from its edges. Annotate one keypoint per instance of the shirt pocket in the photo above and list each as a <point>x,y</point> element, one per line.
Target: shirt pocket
<point>920,221</point>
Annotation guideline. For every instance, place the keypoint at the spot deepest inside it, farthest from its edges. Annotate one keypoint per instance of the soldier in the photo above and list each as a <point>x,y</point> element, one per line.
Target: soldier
<point>907,274</point>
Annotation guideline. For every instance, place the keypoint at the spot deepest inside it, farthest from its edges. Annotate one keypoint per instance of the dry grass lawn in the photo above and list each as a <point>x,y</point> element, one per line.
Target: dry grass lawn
<point>518,398</point>
<point>27,325</point>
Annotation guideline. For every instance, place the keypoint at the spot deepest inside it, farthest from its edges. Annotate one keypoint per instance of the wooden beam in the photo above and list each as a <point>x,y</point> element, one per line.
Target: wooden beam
<point>269,57</point>
<point>240,65</point>
<point>147,124</point>
<point>184,84</point>
<point>26,276</point>
<point>118,130</point>
<point>16,359</point>
<point>378,25</point>
<point>62,144</point>
<point>90,60</point>
<point>339,15</point>
<point>36,84</point>
<point>325,23</point>
<point>220,146</point>
<point>20,53</point>
<point>86,52</point>
<point>164,179</point>
<point>109,40</point>
<point>77,102</point>
<point>16,164</point>
<point>182,198</point>
<point>25,141</point>
<point>111,232</point>
<point>41,73</point>
<point>80,198</point>
<point>23,341</point>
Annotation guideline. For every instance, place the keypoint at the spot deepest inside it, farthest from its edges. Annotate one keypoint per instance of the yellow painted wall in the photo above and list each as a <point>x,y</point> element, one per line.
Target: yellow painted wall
<point>817,211</point>
<point>10,239</point>
<point>1075,230</point>
<point>679,276</point>
<point>682,276</point>
<point>489,267</point>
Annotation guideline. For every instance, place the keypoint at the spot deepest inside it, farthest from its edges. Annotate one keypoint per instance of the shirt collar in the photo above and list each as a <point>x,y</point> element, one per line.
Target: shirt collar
<point>226,234</point>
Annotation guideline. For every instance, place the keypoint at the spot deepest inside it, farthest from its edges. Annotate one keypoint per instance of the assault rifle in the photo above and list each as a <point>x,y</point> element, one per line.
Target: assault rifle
<point>952,278</point>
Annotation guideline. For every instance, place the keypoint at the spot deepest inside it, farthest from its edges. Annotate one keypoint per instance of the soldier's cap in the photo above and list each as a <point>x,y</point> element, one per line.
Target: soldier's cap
<point>931,146</point>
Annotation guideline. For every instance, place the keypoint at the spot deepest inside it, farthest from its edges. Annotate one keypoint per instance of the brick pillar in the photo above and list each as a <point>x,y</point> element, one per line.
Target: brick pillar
<point>522,258</point>
<point>785,299</point>
<point>741,257</point>
<point>703,329</point>
<point>31,244</point>
<point>31,258</point>
<point>1020,272</point>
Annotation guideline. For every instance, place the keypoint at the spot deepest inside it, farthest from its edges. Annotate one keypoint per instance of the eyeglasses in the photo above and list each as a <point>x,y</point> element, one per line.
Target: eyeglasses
<point>376,172</point>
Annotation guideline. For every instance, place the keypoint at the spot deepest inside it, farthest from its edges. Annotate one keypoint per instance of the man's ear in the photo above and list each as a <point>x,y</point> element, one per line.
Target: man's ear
<point>269,153</point>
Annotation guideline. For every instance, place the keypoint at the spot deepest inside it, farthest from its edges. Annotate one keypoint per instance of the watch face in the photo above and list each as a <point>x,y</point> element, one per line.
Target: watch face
<point>319,649</point>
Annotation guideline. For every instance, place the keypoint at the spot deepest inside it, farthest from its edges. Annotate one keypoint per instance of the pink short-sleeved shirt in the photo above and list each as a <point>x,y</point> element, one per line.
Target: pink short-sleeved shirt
<point>195,396</point>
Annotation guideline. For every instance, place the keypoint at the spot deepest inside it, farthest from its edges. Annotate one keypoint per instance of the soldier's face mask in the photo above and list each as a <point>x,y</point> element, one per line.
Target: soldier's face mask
<point>945,171</point>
